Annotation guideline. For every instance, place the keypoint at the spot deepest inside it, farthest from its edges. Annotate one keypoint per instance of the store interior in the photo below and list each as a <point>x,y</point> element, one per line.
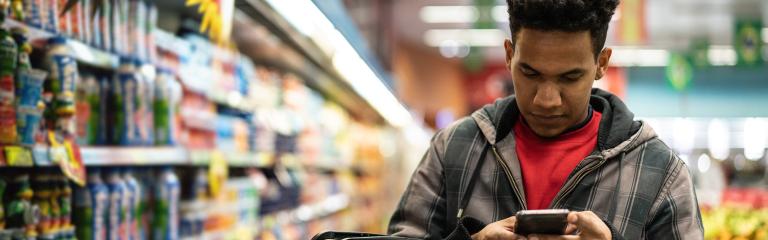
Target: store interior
<point>281,119</point>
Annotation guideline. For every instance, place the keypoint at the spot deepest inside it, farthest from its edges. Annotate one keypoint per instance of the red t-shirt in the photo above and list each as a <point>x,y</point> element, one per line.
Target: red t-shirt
<point>546,163</point>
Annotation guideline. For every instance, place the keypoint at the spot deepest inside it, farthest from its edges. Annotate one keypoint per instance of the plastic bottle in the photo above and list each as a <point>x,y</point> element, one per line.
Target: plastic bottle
<point>146,112</point>
<point>163,113</point>
<point>88,110</point>
<point>116,212</point>
<point>63,69</point>
<point>125,90</point>
<point>8,63</point>
<point>133,205</point>
<point>90,210</point>
<point>32,14</point>
<point>166,219</point>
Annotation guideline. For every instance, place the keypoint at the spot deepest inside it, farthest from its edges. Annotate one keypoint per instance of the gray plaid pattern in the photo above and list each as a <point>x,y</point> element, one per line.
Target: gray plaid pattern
<point>655,198</point>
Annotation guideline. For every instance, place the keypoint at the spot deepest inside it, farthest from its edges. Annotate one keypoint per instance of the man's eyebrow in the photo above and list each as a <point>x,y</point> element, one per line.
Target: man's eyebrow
<point>574,71</point>
<point>528,67</point>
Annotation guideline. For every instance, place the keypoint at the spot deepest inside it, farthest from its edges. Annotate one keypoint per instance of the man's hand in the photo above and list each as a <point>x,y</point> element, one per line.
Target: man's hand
<point>501,230</point>
<point>585,225</point>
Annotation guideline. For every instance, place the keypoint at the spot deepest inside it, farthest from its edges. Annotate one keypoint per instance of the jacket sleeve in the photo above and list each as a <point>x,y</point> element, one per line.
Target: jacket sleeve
<point>421,212</point>
<point>676,214</point>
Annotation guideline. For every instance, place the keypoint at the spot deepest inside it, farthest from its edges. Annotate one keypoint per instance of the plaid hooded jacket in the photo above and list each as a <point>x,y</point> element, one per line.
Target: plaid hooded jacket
<point>632,180</point>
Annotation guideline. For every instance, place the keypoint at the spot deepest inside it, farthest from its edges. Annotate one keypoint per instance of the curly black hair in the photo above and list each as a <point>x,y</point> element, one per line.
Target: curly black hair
<point>563,15</point>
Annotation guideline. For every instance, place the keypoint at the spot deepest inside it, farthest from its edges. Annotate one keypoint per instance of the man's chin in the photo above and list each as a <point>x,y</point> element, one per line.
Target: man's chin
<point>547,132</point>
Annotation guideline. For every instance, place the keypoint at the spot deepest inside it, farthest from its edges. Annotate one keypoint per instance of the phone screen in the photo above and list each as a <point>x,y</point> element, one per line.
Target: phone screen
<point>548,221</point>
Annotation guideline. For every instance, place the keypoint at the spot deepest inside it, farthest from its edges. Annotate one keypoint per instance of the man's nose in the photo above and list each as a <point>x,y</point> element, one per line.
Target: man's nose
<point>547,96</point>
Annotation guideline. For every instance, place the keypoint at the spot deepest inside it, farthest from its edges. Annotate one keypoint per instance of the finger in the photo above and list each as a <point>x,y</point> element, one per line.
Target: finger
<point>570,229</point>
<point>552,237</point>
<point>509,222</point>
<point>587,221</point>
<point>506,235</point>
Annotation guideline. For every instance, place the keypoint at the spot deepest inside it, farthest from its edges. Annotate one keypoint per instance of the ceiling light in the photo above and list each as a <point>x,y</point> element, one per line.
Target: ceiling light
<point>448,14</point>
<point>719,141</point>
<point>703,163</point>
<point>472,37</point>
<point>754,138</point>
<point>635,56</point>
<point>721,55</point>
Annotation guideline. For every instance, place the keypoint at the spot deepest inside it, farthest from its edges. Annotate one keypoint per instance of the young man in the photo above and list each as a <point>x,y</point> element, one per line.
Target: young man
<point>556,144</point>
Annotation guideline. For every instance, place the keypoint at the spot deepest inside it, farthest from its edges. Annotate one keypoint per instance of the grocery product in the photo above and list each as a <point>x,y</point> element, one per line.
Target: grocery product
<point>62,78</point>
<point>166,219</point>
<point>2,208</point>
<point>144,111</point>
<point>134,201</point>
<point>125,91</point>
<point>20,214</point>
<point>65,203</point>
<point>8,60</point>
<point>116,212</point>
<point>106,117</point>
<point>42,199</point>
<point>29,105</point>
<point>32,13</point>
<point>88,115</point>
<point>90,208</point>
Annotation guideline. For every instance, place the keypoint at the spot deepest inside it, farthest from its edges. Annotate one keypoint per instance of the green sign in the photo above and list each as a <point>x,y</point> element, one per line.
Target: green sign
<point>748,43</point>
<point>679,72</point>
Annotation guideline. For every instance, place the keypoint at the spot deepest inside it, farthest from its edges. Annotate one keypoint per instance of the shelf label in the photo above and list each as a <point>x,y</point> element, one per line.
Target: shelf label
<point>18,156</point>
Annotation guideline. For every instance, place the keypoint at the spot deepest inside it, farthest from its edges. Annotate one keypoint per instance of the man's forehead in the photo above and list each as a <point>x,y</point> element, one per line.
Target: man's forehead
<point>555,50</point>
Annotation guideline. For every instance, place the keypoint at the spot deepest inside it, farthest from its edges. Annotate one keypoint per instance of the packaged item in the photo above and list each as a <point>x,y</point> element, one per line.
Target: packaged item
<point>42,199</point>
<point>106,112</point>
<point>32,14</point>
<point>126,98</point>
<point>87,106</point>
<point>116,212</point>
<point>63,69</point>
<point>116,26</point>
<point>29,108</point>
<point>64,18</point>
<point>51,22</point>
<point>144,111</point>
<point>105,29</point>
<point>20,214</point>
<point>91,205</point>
<point>133,213</point>
<point>65,203</point>
<point>125,207</point>
<point>166,219</point>
<point>8,63</point>
<point>166,100</point>
<point>151,48</point>
<point>86,21</point>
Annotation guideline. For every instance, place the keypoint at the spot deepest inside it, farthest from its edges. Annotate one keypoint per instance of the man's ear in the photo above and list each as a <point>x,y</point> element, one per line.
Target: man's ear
<point>602,62</point>
<point>510,50</point>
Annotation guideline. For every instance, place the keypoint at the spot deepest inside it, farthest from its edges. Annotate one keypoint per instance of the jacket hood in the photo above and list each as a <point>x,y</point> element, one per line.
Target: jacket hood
<point>618,129</point>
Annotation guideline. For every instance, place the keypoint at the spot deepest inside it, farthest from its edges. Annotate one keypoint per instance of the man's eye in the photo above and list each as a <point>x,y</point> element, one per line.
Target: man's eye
<point>527,72</point>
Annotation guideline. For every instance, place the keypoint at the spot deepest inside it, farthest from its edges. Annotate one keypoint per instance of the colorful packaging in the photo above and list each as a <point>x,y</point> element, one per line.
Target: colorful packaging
<point>149,32</point>
<point>42,199</point>
<point>106,112</point>
<point>146,98</point>
<point>87,106</point>
<point>127,102</point>
<point>86,20</point>
<point>116,26</point>
<point>64,19</point>
<point>134,205</point>
<point>163,109</point>
<point>57,210</point>
<point>51,22</point>
<point>116,212</point>
<point>29,106</point>
<point>65,201</point>
<point>91,206</point>
<point>105,29</point>
<point>8,63</point>
<point>32,14</point>
<point>166,219</point>
<point>63,68</point>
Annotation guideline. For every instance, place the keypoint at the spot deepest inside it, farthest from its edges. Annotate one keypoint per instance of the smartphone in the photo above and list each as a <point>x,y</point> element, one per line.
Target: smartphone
<point>546,221</point>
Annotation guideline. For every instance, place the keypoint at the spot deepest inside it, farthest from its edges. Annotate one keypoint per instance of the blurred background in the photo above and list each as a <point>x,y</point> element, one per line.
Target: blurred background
<point>279,119</point>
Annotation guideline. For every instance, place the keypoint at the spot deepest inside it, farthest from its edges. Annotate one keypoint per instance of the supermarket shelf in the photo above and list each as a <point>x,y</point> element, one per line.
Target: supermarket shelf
<point>328,206</point>
<point>81,51</point>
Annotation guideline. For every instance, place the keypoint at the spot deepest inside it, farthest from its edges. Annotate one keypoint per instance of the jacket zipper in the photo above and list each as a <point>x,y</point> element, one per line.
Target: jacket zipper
<point>510,178</point>
<point>570,185</point>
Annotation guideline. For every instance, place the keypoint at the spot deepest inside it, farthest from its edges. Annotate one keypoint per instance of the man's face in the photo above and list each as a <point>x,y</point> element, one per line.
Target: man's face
<point>552,73</point>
